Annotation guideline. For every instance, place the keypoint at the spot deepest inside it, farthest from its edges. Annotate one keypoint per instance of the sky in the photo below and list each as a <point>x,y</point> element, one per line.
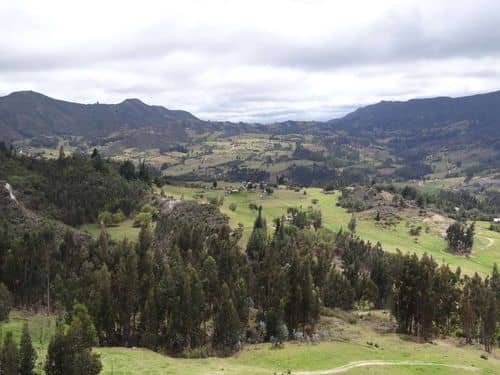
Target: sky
<point>254,61</point>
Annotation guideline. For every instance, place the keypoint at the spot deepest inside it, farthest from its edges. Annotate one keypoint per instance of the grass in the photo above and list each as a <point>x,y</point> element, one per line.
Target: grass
<point>41,328</point>
<point>119,232</point>
<point>485,253</point>
<point>349,343</point>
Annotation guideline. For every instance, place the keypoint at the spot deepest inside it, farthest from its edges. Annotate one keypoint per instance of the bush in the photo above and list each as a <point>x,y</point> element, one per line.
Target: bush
<point>143,219</point>
<point>106,218</point>
<point>118,217</point>
<point>314,201</point>
<point>232,206</point>
<point>416,231</point>
<point>148,208</point>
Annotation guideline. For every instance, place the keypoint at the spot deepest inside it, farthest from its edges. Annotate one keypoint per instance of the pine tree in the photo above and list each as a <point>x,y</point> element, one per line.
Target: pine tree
<point>5,302</point>
<point>27,353</point>
<point>490,322</point>
<point>61,153</point>
<point>227,324</point>
<point>58,361</point>
<point>352,224</point>
<point>9,359</point>
<point>258,239</point>
<point>71,353</point>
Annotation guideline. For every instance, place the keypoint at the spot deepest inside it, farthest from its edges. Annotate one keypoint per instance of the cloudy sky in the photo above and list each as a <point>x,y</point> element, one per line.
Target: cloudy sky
<point>250,60</point>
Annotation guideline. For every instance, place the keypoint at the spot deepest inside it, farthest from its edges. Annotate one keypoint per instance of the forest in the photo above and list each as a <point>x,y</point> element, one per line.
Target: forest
<point>187,288</point>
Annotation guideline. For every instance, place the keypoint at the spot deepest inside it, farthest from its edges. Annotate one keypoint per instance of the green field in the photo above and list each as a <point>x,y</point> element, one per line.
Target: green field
<point>348,343</point>
<point>485,253</point>
<point>119,232</point>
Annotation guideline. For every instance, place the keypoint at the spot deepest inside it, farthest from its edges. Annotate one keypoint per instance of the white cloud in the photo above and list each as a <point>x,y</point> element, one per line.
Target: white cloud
<point>250,60</point>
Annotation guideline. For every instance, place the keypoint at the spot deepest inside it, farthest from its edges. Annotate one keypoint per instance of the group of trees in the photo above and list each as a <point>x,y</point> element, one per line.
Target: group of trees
<point>17,360</point>
<point>73,189</point>
<point>189,289</point>
<point>460,237</point>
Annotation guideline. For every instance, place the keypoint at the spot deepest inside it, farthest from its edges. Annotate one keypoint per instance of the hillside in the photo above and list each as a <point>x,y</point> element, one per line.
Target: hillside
<point>27,114</point>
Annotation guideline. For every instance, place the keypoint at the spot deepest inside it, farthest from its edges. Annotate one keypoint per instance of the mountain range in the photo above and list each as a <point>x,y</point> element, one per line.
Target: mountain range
<point>462,134</point>
<point>28,114</point>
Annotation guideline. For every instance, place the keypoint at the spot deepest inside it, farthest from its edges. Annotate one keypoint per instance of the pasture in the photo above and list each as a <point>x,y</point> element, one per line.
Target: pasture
<point>363,347</point>
<point>485,253</point>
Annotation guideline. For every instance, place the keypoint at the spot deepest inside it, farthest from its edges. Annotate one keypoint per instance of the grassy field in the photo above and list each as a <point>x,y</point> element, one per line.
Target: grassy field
<point>41,328</point>
<point>348,343</point>
<point>485,253</point>
<point>119,232</point>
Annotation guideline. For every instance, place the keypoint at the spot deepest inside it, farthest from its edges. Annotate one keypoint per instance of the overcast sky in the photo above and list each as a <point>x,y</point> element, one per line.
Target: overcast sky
<point>250,60</point>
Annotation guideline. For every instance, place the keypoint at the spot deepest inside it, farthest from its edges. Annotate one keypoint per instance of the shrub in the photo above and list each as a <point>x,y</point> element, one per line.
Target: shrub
<point>143,219</point>
<point>148,208</point>
<point>118,217</point>
<point>232,206</point>
<point>106,218</point>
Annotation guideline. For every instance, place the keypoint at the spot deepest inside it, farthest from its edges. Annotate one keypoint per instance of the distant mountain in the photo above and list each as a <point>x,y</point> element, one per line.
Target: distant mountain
<point>421,137</point>
<point>27,114</point>
<point>481,111</point>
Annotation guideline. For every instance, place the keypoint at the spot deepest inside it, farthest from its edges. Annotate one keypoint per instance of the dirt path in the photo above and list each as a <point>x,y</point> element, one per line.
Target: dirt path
<point>491,241</point>
<point>352,365</point>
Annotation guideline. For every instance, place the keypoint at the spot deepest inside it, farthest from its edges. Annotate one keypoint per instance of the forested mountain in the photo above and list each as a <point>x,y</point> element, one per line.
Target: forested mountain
<point>481,111</point>
<point>28,114</point>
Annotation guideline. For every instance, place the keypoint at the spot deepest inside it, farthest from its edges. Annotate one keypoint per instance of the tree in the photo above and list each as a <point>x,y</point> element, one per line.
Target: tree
<point>127,170</point>
<point>5,302</point>
<point>58,359</point>
<point>258,239</point>
<point>9,361</point>
<point>460,237</point>
<point>61,153</point>
<point>490,322</point>
<point>27,353</point>
<point>81,319</point>
<point>70,353</point>
<point>352,224</point>
<point>227,324</point>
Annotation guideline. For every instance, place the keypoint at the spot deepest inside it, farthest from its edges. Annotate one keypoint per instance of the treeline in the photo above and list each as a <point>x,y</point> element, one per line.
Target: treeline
<point>188,289</point>
<point>74,188</point>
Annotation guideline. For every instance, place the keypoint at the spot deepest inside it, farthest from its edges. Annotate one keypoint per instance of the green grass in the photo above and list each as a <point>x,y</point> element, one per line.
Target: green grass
<point>41,328</point>
<point>485,253</point>
<point>349,344</point>
<point>119,232</point>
